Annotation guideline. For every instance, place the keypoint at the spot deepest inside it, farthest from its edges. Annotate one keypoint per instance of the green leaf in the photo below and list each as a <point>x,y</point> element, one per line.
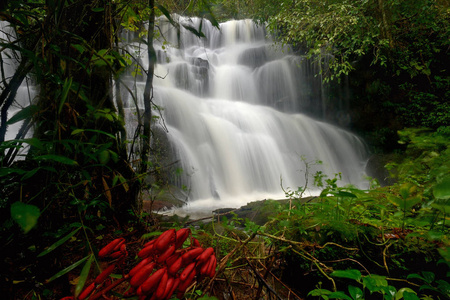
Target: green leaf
<point>410,276</point>
<point>9,171</point>
<point>351,274</point>
<point>194,31</point>
<point>23,114</point>
<point>58,243</point>
<point>83,276</point>
<point>410,296</point>
<point>406,190</point>
<point>77,131</point>
<point>428,277</point>
<point>34,142</point>
<point>426,287</point>
<point>442,189</point>
<point>443,206</point>
<point>67,270</point>
<point>30,174</point>
<point>208,298</point>
<point>339,295</point>
<point>443,286</point>
<point>319,292</point>
<point>150,234</point>
<point>65,91</point>
<point>409,293</point>
<point>167,14</point>
<point>389,292</point>
<point>103,157</point>
<point>79,48</point>
<point>58,158</point>
<point>355,292</point>
<point>25,215</point>
<point>445,253</point>
<point>98,9</point>
<point>343,194</point>
<point>404,203</point>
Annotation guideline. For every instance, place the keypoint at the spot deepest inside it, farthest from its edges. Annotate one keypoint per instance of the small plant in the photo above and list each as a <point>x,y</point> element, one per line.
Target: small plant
<point>372,283</point>
<point>429,283</point>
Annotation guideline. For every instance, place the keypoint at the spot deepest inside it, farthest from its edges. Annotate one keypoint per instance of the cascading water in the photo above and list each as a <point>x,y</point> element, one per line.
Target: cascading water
<point>25,92</point>
<point>232,105</point>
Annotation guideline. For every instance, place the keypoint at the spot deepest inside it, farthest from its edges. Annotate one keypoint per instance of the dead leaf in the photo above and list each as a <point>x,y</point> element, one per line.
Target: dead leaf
<point>107,192</point>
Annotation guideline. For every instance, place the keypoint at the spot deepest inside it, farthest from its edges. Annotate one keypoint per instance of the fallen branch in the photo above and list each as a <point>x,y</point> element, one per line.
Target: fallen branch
<point>281,282</point>
<point>261,280</point>
<point>224,260</point>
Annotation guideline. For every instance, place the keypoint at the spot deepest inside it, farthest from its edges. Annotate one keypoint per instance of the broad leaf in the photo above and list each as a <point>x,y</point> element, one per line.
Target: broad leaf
<point>355,292</point>
<point>442,189</point>
<point>319,292</point>
<point>405,204</point>
<point>351,274</point>
<point>339,295</point>
<point>343,194</point>
<point>428,277</point>
<point>443,286</point>
<point>25,215</point>
<point>79,48</point>
<point>442,205</point>
<point>406,293</point>
<point>407,189</point>
<point>410,296</point>
<point>389,292</point>
<point>374,283</point>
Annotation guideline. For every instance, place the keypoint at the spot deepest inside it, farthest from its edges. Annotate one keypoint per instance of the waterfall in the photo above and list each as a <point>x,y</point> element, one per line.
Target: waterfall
<point>26,92</point>
<point>233,113</point>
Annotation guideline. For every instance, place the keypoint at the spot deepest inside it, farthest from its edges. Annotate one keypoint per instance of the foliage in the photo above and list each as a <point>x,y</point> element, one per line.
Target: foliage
<point>75,175</point>
<point>400,35</point>
<point>69,165</point>
<point>394,53</point>
<point>371,283</point>
<point>386,236</point>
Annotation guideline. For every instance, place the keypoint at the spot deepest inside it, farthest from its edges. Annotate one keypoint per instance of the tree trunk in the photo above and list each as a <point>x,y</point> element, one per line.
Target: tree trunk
<point>385,28</point>
<point>148,91</point>
<point>73,69</point>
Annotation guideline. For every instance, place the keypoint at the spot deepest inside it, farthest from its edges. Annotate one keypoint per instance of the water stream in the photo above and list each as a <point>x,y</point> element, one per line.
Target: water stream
<point>236,113</point>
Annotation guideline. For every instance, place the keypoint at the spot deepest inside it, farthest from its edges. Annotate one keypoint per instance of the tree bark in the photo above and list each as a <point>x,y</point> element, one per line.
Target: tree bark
<point>148,91</point>
<point>385,28</point>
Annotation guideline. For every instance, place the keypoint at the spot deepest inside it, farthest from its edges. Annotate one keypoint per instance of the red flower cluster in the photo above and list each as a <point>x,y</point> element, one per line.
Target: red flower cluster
<point>165,267</point>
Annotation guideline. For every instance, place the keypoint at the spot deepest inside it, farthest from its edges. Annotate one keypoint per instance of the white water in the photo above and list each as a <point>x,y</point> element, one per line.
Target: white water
<point>25,92</point>
<point>232,105</point>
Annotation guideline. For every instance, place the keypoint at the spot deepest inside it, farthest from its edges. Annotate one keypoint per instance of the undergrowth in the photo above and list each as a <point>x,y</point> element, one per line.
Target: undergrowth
<point>382,243</point>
